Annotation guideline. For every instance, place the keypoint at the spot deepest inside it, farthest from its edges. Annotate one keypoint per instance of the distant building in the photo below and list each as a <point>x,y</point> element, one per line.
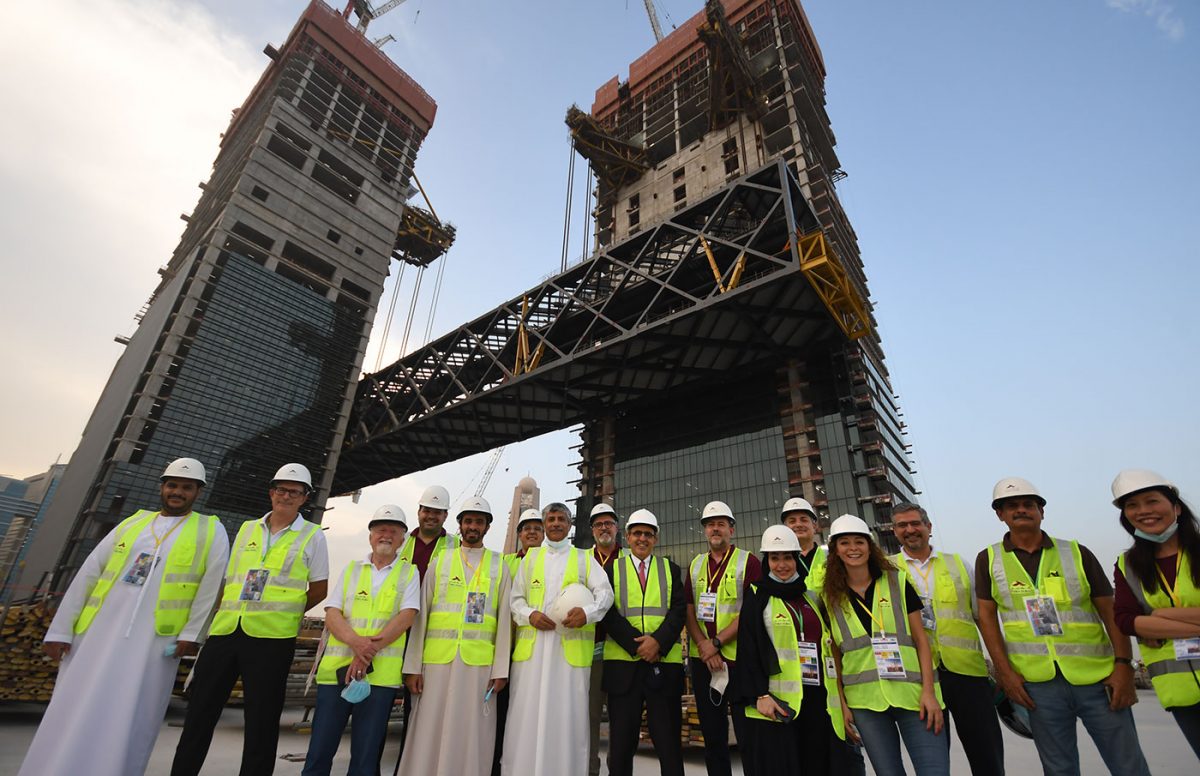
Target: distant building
<point>525,496</point>
<point>23,503</point>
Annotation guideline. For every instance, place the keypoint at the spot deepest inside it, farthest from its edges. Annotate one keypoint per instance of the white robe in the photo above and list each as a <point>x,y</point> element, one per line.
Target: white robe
<point>112,690</point>
<point>548,730</point>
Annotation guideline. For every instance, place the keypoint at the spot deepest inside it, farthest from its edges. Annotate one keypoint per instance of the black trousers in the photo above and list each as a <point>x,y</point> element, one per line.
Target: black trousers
<point>969,704</point>
<point>714,722</point>
<point>661,696</point>
<point>501,724</point>
<point>263,665</point>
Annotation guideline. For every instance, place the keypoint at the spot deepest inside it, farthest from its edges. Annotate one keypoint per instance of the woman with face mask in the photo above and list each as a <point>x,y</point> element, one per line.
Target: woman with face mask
<point>1157,591</point>
<point>884,666</point>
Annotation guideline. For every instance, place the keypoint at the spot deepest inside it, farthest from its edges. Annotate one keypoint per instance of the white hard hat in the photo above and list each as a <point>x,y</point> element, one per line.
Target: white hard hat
<point>797,505</point>
<point>475,504</point>
<point>435,497</point>
<point>849,524</point>
<point>1014,486</point>
<point>717,509</point>
<point>527,516</point>
<point>294,472</point>
<point>779,538</point>
<point>601,509</point>
<point>185,468</point>
<point>1133,480</point>
<point>571,596</point>
<point>642,517</point>
<point>388,513</point>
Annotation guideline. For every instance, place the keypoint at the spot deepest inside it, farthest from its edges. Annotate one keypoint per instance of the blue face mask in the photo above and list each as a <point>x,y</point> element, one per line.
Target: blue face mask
<point>795,575</point>
<point>356,691</point>
<point>1157,538</point>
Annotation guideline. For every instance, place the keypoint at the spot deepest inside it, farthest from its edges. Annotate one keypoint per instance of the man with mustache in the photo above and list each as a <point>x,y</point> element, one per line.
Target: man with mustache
<point>606,552</point>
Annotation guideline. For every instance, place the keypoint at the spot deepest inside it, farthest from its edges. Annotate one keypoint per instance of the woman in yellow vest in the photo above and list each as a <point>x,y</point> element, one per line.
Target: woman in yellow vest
<point>1158,591</point>
<point>884,664</point>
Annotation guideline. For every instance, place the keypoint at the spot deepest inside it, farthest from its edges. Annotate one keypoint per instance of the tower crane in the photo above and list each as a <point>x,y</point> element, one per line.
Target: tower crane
<point>366,13</point>
<point>653,20</point>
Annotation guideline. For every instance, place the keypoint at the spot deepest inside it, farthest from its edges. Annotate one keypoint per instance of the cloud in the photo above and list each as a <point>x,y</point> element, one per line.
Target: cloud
<point>1163,14</point>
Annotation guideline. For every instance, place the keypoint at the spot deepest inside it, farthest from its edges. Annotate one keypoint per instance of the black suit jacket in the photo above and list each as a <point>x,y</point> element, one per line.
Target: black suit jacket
<point>619,675</point>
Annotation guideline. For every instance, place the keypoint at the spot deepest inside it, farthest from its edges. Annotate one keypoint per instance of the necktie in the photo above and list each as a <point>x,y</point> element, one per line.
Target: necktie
<point>642,573</point>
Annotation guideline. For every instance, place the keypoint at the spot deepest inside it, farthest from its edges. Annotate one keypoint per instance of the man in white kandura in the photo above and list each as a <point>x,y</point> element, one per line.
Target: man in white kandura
<point>138,603</point>
<point>547,731</point>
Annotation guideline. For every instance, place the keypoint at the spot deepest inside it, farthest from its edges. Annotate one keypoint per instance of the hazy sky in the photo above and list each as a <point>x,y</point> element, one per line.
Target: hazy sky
<point>1022,179</point>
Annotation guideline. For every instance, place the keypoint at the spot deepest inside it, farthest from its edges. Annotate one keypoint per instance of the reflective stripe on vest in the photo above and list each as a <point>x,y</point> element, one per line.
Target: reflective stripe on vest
<point>645,610</point>
<point>729,595</point>
<point>1176,682</point>
<point>183,570</point>
<point>577,643</point>
<point>955,642</point>
<point>447,633</point>
<point>788,684</point>
<point>367,613</point>
<point>279,612</point>
<point>447,541</point>
<point>833,701</point>
<point>1083,653</point>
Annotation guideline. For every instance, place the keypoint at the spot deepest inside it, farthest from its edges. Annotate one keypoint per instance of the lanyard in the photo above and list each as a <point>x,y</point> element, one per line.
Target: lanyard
<point>871,614</point>
<point>1171,588</point>
<point>925,575</point>
<point>462,551</point>
<point>602,558</point>
<point>720,572</point>
<point>799,619</point>
<point>800,555</point>
<point>159,540</point>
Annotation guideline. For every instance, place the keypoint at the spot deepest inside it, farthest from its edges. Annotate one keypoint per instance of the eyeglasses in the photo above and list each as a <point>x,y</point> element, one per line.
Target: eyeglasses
<point>604,524</point>
<point>288,492</point>
<point>642,534</point>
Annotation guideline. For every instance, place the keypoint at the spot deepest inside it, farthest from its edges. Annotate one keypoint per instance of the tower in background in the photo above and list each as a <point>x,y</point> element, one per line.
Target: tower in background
<point>526,495</point>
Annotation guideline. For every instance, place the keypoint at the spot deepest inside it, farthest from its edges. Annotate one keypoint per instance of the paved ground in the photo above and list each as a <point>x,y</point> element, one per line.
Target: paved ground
<point>1164,746</point>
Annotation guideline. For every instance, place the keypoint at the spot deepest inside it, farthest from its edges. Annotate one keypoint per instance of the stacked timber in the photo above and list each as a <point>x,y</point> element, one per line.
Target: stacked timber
<point>26,674</point>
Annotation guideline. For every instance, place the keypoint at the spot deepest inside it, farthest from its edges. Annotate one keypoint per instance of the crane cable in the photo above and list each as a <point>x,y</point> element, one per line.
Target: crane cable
<point>387,323</point>
<point>567,211</point>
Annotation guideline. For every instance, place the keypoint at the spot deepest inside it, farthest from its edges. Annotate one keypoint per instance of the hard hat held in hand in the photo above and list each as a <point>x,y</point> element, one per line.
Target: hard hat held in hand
<point>1132,480</point>
<point>294,472</point>
<point>717,509</point>
<point>572,596</point>
<point>1010,487</point>
<point>849,524</point>
<point>642,517</point>
<point>779,538</point>
<point>435,497</point>
<point>185,468</point>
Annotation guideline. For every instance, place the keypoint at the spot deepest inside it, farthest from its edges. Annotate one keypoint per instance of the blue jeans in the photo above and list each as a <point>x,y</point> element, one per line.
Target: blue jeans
<point>1059,703</point>
<point>366,736</point>
<point>881,733</point>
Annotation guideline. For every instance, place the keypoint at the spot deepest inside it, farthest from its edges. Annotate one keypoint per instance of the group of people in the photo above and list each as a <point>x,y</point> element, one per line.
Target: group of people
<point>504,664</point>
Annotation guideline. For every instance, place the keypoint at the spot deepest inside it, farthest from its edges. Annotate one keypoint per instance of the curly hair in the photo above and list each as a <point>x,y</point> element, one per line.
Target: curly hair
<point>836,584</point>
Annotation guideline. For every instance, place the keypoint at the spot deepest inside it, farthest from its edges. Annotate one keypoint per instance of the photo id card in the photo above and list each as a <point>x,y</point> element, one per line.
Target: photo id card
<point>707,610</point>
<point>1187,649</point>
<point>476,606</point>
<point>810,662</point>
<point>888,662</point>
<point>928,618</point>
<point>139,572</point>
<point>1043,616</point>
<point>255,583</point>
<point>830,668</point>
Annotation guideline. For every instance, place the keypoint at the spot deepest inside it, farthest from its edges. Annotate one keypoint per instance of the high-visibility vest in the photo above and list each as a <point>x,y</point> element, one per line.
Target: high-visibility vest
<point>955,640</point>
<point>280,610</point>
<point>444,542</point>
<point>644,609</point>
<point>860,674</point>
<point>367,613</point>
<point>1083,653</point>
<point>455,591</point>
<point>833,699</point>
<point>184,569</point>
<point>577,643</point>
<point>788,684</point>
<point>513,561</point>
<point>1176,682</point>
<point>729,595</point>
<point>815,580</point>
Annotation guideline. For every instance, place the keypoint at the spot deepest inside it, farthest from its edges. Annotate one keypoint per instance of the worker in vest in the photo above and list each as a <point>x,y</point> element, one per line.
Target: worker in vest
<point>948,614</point>
<point>643,657</point>
<point>715,582</point>
<point>278,570</point>
<point>1158,591</point>
<point>140,601</point>
<point>367,616</point>
<point>458,658</point>
<point>605,551</point>
<point>429,537</point>
<point>799,515</point>
<point>1046,615</point>
<point>885,667</point>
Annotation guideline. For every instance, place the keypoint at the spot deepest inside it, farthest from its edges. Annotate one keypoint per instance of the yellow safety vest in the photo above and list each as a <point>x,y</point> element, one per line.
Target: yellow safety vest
<point>367,613</point>
<point>513,561</point>
<point>833,700</point>
<point>954,640</point>
<point>443,543</point>
<point>456,595</point>
<point>1083,653</point>
<point>645,610</point>
<point>788,684</point>
<point>280,610</point>
<point>729,595</point>
<point>1176,682</point>
<point>816,572</point>
<point>185,566</point>
<point>577,643</point>
<point>860,673</point>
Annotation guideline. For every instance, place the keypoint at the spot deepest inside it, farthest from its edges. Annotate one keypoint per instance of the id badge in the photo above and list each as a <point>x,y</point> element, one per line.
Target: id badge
<point>830,668</point>
<point>707,610</point>
<point>476,606</point>
<point>928,618</point>
<point>1187,649</point>
<point>255,583</point>
<point>1043,616</point>
<point>810,662</point>
<point>139,572</point>
<point>888,662</point>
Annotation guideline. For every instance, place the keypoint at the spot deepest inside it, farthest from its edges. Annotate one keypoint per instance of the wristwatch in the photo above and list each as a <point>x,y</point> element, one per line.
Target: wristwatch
<point>716,640</point>
<point>1124,660</point>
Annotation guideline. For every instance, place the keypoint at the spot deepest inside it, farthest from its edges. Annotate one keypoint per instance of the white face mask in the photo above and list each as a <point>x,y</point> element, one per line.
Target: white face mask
<point>717,683</point>
<point>559,545</point>
<point>792,578</point>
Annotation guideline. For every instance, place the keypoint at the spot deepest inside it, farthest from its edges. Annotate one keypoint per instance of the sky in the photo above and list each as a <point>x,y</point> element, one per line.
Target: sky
<point>1022,178</point>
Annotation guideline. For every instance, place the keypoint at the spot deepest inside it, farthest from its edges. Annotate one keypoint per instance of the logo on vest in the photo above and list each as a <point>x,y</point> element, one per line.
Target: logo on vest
<point>1020,586</point>
<point>535,583</point>
<point>1054,574</point>
<point>456,580</point>
<point>781,616</point>
<point>883,601</point>
<point>363,595</point>
<point>121,546</point>
<point>253,545</point>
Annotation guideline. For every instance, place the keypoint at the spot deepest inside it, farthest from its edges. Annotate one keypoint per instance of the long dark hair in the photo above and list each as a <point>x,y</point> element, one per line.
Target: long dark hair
<point>836,583</point>
<point>1140,557</point>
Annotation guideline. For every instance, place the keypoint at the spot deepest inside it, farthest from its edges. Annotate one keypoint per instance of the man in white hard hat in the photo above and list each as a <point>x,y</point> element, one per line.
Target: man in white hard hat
<point>946,588</point>
<point>429,537</point>
<point>459,657</point>
<point>1046,615</point>
<point>369,611</point>
<point>140,601</point>
<point>552,659</point>
<point>605,550</point>
<point>278,570</point>
<point>798,514</point>
<point>643,656</point>
<point>716,582</point>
